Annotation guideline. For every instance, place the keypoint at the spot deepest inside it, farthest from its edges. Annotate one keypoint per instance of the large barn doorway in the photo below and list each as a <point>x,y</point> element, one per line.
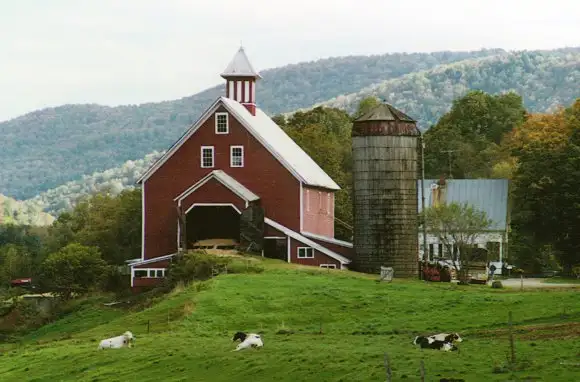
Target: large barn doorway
<point>213,226</point>
<point>276,248</point>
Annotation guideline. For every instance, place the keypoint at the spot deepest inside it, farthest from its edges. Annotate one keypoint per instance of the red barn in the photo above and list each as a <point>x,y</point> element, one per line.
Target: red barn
<point>232,159</point>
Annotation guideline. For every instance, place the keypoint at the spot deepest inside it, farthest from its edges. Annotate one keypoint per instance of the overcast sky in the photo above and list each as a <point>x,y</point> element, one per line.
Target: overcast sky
<point>112,52</point>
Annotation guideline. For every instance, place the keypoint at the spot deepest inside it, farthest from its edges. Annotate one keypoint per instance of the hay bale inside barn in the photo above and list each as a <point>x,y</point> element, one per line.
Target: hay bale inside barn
<point>385,144</point>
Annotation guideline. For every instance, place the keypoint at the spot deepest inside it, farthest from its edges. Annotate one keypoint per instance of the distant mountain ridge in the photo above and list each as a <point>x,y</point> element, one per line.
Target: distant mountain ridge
<point>545,79</point>
<point>46,148</point>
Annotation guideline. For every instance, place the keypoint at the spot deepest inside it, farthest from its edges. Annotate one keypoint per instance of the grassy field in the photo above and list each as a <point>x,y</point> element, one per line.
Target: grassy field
<point>317,325</point>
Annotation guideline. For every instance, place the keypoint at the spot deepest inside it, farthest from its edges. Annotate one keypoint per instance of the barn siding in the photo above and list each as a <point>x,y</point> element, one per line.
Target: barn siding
<point>319,257</point>
<point>262,173</point>
<point>340,249</point>
<point>318,215</point>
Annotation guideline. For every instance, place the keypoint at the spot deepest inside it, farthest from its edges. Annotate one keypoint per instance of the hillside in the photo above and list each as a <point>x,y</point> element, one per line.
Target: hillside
<point>46,148</point>
<point>545,80</point>
<point>335,327</point>
<point>425,95</point>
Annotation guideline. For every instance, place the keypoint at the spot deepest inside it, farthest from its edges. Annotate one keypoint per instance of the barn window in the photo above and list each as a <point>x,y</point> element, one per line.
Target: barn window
<point>160,273</point>
<point>331,266</point>
<point>207,156</point>
<point>236,156</point>
<point>221,123</point>
<point>141,273</point>
<point>305,253</point>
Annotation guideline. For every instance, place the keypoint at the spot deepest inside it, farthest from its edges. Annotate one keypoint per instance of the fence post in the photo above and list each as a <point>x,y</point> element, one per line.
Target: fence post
<point>422,371</point>
<point>522,282</point>
<point>388,368</point>
<point>512,347</point>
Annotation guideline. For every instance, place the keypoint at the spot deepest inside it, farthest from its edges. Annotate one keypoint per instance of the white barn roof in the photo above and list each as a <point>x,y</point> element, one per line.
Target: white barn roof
<point>269,134</point>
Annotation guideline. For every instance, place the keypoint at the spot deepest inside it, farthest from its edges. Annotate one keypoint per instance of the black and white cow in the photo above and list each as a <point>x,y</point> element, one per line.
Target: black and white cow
<point>431,343</point>
<point>248,340</point>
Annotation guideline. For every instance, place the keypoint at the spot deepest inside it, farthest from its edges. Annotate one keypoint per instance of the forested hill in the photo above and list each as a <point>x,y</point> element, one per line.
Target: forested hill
<point>46,148</point>
<point>545,80</point>
<point>49,147</point>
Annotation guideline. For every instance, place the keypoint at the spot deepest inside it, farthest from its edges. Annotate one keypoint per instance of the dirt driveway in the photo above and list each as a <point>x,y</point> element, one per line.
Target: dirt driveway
<point>535,283</point>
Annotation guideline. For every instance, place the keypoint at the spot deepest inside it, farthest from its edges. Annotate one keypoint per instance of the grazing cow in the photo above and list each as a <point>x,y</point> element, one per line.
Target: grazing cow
<point>247,340</point>
<point>431,343</point>
<point>126,339</point>
<point>447,337</point>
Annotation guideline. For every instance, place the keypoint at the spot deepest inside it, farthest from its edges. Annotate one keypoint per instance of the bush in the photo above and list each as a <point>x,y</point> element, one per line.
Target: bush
<point>497,284</point>
<point>195,266</point>
<point>199,266</point>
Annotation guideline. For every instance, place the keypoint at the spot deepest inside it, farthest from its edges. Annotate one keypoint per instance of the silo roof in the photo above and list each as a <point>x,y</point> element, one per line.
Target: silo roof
<point>384,112</point>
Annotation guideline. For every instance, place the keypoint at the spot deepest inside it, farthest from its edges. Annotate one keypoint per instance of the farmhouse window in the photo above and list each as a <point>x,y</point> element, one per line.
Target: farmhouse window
<point>331,266</point>
<point>305,253</point>
<point>207,156</point>
<point>221,123</point>
<point>440,251</point>
<point>236,156</point>
<point>431,251</point>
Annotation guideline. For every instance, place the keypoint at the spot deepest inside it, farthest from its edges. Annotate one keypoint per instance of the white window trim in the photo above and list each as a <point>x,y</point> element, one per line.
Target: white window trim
<point>217,115</point>
<point>148,270</point>
<point>332,266</point>
<point>212,156</point>
<point>232,155</point>
<point>304,257</point>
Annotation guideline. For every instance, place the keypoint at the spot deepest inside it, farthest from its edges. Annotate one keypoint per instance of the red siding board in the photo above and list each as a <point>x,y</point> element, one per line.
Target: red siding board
<point>340,249</point>
<point>262,173</point>
<point>319,257</point>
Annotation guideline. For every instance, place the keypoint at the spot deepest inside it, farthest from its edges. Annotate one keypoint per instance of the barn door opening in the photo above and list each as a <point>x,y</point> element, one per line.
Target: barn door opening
<point>276,248</point>
<point>216,226</point>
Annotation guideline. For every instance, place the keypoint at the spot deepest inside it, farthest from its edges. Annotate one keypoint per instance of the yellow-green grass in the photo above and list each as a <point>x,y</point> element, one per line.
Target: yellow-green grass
<point>317,325</point>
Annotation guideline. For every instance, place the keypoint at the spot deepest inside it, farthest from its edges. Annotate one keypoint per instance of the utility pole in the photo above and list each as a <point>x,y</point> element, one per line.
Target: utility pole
<point>422,142</point>
<point>449,160</point>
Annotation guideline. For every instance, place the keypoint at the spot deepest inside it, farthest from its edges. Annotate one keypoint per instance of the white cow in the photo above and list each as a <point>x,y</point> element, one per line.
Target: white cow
<point>126,339</point>
<point>248,341</point>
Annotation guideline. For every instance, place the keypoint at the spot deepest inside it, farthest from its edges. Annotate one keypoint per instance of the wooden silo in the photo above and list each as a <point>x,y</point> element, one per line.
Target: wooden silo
<point>385,144</point>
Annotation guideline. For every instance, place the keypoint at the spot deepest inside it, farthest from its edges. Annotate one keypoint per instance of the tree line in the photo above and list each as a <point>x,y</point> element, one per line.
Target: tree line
<point>491,135</point>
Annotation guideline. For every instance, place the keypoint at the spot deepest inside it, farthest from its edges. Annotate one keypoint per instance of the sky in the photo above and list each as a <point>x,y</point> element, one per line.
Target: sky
<point>115,52</point>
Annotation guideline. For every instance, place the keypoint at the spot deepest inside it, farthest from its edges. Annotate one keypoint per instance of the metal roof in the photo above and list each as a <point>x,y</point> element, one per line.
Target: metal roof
<point>489,195</point>
<point>384,112</point>
<point>281,145</point>
<point>240,66</point>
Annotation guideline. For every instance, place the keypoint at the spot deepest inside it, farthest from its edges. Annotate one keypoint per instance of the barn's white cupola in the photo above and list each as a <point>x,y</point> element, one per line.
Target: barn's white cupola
<point>241,80</point>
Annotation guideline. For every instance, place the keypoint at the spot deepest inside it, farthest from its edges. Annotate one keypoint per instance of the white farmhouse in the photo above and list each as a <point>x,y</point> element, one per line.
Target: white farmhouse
<point>489,195</point>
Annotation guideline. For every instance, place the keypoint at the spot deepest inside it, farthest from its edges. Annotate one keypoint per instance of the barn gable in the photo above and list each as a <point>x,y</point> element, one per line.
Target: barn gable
<point>269,134</point>
<point>219,175</point>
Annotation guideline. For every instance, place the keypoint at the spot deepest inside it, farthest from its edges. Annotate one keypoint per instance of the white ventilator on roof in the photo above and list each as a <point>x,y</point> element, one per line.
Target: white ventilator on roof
<point>282,146</point>
<point>240,66</point>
